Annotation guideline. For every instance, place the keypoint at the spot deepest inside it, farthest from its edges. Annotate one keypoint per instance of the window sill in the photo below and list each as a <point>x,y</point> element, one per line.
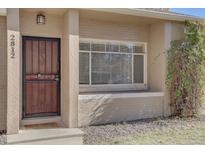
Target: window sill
<point>127,94</point>
<point>112,88</point>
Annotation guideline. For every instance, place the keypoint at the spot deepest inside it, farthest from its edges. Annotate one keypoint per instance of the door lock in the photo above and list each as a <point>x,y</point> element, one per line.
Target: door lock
<point>39,75</point>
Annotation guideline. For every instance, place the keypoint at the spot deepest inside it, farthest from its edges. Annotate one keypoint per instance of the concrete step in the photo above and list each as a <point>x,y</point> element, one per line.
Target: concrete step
<point>56,136</point>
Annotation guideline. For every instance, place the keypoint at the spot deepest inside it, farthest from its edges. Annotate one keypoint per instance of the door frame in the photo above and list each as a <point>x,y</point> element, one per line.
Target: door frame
<point>24,116</point>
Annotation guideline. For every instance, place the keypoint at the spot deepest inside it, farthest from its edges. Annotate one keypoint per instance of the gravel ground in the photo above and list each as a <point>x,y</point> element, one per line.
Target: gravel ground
<point>102,133</point>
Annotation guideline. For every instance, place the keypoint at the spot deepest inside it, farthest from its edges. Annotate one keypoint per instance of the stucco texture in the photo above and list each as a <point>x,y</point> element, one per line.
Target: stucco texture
<point>3,68</point>
<point>95,109</point>
<point>107,108</point>
<point>117,107</point>
<point>52,28</point>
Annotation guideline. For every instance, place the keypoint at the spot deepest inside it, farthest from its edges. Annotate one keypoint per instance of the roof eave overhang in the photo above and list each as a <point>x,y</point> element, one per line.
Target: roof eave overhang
<point>150,13</point>
<point>139,12</point>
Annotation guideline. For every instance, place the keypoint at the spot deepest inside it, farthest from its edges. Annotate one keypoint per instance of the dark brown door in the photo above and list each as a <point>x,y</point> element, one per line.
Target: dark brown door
<point>41,73</point>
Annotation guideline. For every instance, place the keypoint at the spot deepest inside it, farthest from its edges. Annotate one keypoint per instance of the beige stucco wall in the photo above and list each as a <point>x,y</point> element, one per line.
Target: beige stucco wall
<point>112,108</point>
<point>13,71</point>
<point>99,29</point>
<point>156,57</point>
<point>52,28</point>
<point>73,59</point>
<point>177,30</point>
<point>3,70</point>
<point>106,108</point>
<point>98,109</point>
<point>69,69</point>
<point>65,74</point>
<point>117,107</point>
<point>157,61</point>
<point>161,34</point>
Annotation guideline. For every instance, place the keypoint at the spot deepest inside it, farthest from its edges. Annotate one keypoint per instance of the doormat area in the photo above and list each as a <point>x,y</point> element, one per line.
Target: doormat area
<point>42,126</point>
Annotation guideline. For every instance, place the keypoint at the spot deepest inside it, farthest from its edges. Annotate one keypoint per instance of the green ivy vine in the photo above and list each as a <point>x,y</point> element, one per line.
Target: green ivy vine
<point>186,70</point>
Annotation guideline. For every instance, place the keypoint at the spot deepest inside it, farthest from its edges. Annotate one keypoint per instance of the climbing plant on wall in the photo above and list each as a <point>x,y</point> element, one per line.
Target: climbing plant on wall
<point>186,70</point>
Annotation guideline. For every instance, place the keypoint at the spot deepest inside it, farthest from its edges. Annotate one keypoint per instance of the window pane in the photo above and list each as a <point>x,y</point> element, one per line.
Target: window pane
<point>84,68</point>
<point>111,68</point>
<point>98,47</point>
<point>84,46</point>
<point>112,47</point>
<point>121,68</point>
<point>139,69</point>
<point>100,68</point>
<point>138,49</point>
<point>126,48</point>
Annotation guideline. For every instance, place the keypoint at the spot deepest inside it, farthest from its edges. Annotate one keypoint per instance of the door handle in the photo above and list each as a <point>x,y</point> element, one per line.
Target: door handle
<point>39,75</point>
<point>56,79</point>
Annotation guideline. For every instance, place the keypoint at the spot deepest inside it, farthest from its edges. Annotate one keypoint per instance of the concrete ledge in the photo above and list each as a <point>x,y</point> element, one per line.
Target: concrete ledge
<point>47,136</point>
<point>120,94</point>
<point>102,108</point>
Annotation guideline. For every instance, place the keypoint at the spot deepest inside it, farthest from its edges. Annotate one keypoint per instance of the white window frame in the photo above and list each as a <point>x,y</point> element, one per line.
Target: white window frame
<point>114,87</point>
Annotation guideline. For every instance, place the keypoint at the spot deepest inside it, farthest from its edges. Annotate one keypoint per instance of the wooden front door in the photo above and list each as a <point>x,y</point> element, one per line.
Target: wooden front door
<point>41,76</point>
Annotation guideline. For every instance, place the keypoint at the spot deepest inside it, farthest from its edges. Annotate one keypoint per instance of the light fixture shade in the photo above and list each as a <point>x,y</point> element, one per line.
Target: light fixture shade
<point>40,19</point>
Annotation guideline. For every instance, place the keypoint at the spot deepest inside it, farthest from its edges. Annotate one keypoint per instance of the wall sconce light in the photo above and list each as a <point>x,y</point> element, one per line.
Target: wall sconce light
<point>40,19</point>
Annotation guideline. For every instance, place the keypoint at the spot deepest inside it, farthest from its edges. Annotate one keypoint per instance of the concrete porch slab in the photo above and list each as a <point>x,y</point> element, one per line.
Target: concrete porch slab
<point>55,136</point>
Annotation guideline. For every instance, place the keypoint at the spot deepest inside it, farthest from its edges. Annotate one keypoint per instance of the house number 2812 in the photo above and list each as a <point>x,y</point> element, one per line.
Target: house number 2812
<point>12,46</point>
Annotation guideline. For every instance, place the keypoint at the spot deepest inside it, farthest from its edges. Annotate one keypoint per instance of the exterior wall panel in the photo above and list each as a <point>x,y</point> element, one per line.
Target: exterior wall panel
<point>95,109</point>
<point>52,28</point>
<point>13,71</point>
<point>70,66</point>
<point>177,31</point>
<point>106,109</point>
<point>157,57</point>
<point>3,73</point>
<point>102,108</point>
<point>100,29</point>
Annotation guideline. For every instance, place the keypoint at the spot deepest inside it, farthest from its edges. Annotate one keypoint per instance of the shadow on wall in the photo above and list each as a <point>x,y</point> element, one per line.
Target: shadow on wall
<point>102,109</point>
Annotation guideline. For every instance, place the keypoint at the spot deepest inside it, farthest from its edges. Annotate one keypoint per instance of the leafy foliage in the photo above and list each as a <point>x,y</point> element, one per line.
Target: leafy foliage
<point>186,70</point>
